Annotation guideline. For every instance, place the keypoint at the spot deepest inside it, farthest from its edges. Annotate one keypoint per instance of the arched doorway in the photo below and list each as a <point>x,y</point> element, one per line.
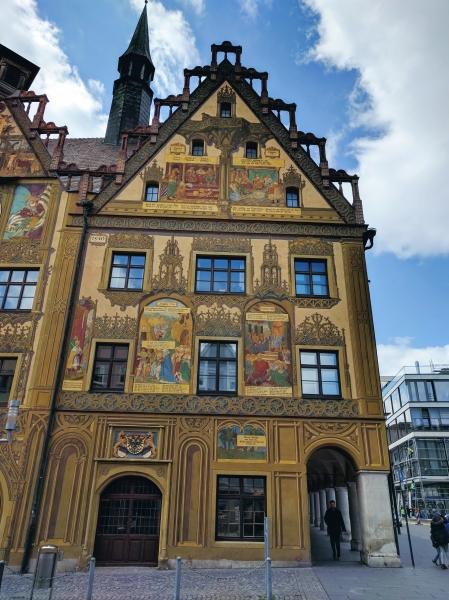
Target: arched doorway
<point>128,522</point>
<point>331,475</point>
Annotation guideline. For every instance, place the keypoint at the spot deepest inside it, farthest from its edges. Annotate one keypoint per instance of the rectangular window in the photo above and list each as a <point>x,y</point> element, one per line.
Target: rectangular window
<point>319,374</point>
<point>7,368</point>
<point>225,110</point>
<point>110,367</point>
<point>152,192</point>
<point>311,277</point>
<point>220,274</point>
<point>240,508</point>
<point>441,390</point>
<point>217,372</point>
<point>127,271</point>
<point>17,288</point>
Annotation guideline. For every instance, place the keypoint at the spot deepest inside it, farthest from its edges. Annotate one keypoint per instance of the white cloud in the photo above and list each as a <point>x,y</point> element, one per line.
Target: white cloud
<point>198,6</point>
<point>250,8</point>
<point>172,44</point>
<point>400,353</point>
<point>400,51</point>
<point>72,101</point>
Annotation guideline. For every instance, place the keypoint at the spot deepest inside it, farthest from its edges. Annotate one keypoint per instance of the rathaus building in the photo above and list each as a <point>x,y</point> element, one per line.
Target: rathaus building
<point>186,337</point>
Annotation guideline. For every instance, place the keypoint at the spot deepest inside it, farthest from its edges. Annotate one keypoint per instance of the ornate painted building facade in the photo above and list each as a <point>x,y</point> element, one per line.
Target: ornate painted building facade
<point>186,330</point>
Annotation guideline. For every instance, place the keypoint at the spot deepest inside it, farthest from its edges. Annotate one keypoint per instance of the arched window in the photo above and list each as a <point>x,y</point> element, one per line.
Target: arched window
<point>198,147</point>
<point>292,197</point>
<point>251,150</point>
<point>152,192</point>
<point>225,110</point>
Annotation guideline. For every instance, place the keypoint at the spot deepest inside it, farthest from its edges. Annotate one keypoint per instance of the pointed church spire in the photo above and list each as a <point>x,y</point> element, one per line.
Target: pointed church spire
<point>132,94</point>
<point>140,43</point>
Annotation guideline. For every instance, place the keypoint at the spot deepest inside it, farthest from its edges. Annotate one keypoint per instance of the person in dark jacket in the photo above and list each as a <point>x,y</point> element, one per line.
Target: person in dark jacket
<point>335,525</point>
<point>440,539</point>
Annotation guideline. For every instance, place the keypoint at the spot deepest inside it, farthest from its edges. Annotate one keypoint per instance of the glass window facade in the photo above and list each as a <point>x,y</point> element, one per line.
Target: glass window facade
<point>7,369</point>
<point>220,274</point>
<point>198,148</point>
<point>225,110</point>
<point>127,271</point>
<point>240,508</point>
<point>17,288</point>
<point>292,197</point>
<point>152,192</point>
<point>217,371</point>
<point>311,277</point>
<point>251,150</point>
<point>109,371</point>
<point>319,374</point>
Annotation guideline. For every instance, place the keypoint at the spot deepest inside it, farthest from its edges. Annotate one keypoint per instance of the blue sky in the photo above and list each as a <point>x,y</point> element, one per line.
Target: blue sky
<point>365,75</point>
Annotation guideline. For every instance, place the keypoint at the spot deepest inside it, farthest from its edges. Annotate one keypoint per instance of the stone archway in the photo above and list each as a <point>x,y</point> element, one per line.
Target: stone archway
<point>331,475</point>
<point>128,522</point>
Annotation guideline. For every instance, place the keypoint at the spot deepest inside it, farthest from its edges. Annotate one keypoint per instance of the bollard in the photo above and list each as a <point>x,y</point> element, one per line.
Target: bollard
<point>268,580</point>
<point>2,568</point>
<point>177,595</point>
<point>90,582</point>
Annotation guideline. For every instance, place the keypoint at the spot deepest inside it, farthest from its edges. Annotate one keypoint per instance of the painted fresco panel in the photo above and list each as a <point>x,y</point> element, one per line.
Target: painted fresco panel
<point>163,359</point>
<point>190,182</point>
<point>268,367</point>
<point>28,211</point>
<point>241,443</point>
<point>254,185</point>
<point>16,156</point>
<point>80,338</point>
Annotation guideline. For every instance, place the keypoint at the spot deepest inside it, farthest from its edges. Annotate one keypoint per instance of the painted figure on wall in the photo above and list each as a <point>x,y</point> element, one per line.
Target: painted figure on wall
<point>268,366</point>
<point>241,443</point>
<point>253,185</point>
<point>28,211</point>
<point>80,338</point>
<point>16,156</point>
<point>190,181</point>
<point>163,360</point>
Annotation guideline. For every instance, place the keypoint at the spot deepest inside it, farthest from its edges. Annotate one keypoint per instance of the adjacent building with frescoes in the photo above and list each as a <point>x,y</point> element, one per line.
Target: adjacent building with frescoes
<point>185,330</point>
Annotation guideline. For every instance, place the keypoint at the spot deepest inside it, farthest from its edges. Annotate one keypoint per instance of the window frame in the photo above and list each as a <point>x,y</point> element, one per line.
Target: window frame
<point>111,361</point>
<point>128,267</point>
<point>13,375</point>
<point>212,270</point>
<point>221,111</point>
<point>319,367</point>
<point>288,190</point>
<point>217,360</point>
<point>241,497</point>
<point>23,285</point>
<point>251,146</point>
<point>197,141</point>
<point>152,185</point>
<point>298,259</point>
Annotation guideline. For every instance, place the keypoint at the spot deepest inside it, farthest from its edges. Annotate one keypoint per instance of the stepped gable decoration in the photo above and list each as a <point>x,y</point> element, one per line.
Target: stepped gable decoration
<point>270,284</point>
<point>135,444</point>
<point>228,135</point>
<point>318,330</point>
<point>268,366</point>
<point>170,277</point>
<point>163,357</point>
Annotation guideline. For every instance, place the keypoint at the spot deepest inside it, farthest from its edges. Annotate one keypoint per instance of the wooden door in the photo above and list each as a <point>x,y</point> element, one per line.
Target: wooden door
<point>128,523</point>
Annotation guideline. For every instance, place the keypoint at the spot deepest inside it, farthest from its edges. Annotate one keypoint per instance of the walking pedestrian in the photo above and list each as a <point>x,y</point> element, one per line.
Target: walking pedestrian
<point>440,540</point>
<point>335,525</point>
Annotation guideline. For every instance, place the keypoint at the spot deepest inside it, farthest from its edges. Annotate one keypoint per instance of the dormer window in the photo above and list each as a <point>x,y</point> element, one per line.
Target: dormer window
<point>292,197</point>
<point>251,150</point>
<point>152,192</point>
<point>198,147</point>
<point>225,110</point>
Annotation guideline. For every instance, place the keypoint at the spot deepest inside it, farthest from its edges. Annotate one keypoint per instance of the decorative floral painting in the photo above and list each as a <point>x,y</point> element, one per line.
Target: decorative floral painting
<point>241,443</point>
<point>163,360</point>
<point>268,367</point>
<point>28,211</point>
<point>16,156</point>
<point>254,185</point>
<point>190,181</point>
<point>80,338</point>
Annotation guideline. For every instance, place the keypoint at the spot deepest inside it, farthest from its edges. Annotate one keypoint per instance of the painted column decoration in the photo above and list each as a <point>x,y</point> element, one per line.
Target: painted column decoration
<point>163,357</point>
<point>268,367</point>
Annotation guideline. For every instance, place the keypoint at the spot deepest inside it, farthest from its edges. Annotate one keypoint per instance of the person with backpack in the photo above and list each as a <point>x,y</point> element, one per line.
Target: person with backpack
<point>439,535</point>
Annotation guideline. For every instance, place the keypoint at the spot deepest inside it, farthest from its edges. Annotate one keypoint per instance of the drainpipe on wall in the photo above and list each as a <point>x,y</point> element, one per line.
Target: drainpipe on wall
<point>86,205</point>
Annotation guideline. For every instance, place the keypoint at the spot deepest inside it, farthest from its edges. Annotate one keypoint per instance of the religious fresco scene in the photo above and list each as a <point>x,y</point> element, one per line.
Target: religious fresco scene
<point>253,186</point>
<point>16,156</point>
<point>241,443</point>
<point>80,338</point>
<point>28,211</point>
<point>163,358</point>
<point>190,182</point>
<point>268,368</point>
<point>135,444</point>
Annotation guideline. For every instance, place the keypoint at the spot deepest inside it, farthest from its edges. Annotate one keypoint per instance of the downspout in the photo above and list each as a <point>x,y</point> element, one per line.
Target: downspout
<point>86,205</point>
